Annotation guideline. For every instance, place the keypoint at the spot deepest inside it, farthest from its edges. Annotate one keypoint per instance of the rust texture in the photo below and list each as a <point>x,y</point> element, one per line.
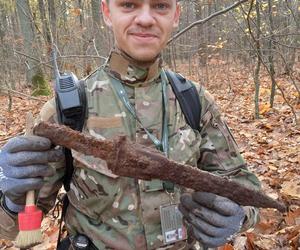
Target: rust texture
<point>126,158</point>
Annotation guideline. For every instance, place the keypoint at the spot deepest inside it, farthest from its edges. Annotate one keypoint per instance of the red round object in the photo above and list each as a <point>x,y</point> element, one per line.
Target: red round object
<point>30,218</point>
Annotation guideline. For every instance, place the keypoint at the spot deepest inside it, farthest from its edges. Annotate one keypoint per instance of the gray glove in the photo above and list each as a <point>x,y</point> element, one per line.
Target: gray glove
<point>213,219</point>
<point>23,165</point>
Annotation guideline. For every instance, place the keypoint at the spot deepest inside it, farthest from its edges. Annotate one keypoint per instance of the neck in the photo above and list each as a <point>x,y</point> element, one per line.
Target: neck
<point>131,71</point>
<point>137,63</point>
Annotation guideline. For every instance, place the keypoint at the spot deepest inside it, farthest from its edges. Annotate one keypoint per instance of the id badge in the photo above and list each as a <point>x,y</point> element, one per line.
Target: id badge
<point>172,226</point>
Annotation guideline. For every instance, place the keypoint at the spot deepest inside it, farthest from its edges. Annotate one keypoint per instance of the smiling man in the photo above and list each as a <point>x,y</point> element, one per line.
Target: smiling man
<point>131,95</point>
<point>141,28</point>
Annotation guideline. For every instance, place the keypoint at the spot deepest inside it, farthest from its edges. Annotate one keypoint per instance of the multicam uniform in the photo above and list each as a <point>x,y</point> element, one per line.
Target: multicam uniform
<point>123,213</point>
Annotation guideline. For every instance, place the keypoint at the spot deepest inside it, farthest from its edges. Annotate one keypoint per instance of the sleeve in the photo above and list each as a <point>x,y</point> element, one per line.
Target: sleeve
<point>8,221</point>
<point>219,152</point>
<point>46,196</point>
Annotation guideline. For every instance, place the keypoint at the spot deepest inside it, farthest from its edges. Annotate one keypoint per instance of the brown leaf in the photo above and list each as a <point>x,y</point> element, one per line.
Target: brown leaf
<point>75,11</point>
<point>226,247</point>
<point>295,242</point>
<point>293,217</point>
<point>291,188</point>
<point>264,108</point>
<point>250,240</point>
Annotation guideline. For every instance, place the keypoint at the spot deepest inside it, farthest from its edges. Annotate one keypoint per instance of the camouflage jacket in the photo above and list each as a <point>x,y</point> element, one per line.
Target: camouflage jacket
<point>123,213</point>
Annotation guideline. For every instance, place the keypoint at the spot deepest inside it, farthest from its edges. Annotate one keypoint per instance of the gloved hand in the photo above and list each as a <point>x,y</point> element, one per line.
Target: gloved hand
<point>23,165</point>
<point>213,219</point>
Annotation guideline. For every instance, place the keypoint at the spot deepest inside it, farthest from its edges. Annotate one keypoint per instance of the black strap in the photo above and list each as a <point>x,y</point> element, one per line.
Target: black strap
<point>188,98</point>
<point>69,169</point>
<point>74,120</point>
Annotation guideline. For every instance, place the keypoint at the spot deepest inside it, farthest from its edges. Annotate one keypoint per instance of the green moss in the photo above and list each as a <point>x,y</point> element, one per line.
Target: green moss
<point>40,85</point>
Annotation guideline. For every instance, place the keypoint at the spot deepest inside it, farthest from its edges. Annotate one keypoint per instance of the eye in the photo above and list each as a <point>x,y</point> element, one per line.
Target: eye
<point>128,5</point>
<point>161,6</point>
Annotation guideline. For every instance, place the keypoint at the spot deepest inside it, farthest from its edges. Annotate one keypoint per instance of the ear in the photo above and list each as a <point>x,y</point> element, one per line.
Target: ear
<point>176,16</point>
<point>106,13</point>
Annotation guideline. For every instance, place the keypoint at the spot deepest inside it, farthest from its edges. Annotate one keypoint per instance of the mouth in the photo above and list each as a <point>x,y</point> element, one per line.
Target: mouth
<point>144,36</point>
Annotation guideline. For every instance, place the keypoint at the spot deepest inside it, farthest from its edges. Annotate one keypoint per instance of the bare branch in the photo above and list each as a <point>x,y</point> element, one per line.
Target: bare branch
<point>82,56</point>
<point>202,21</point>
<point>21,94</point>
<point>65,56</point>
<point>23,54</point>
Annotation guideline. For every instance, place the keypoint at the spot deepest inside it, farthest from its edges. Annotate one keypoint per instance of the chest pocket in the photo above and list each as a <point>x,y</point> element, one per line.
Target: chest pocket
<point>93,186</point>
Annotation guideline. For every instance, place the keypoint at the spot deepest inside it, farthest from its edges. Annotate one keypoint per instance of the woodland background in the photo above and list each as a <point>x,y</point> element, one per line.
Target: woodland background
<point>248,58</point>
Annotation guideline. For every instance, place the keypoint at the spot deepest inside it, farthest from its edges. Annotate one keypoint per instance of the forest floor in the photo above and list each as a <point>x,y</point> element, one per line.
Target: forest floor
<point>270,145</point>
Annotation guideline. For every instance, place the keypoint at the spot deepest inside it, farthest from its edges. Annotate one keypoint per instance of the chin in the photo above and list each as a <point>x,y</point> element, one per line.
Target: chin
<point>145,57</point>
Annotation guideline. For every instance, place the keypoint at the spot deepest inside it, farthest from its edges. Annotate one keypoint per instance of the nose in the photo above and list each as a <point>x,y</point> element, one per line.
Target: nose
<point>145,17</point>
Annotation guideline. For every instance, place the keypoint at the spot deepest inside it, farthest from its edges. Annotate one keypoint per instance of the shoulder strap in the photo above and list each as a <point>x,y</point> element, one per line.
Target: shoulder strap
<point>73,116</point>
<point>71,108</point>
<point>188,98</point>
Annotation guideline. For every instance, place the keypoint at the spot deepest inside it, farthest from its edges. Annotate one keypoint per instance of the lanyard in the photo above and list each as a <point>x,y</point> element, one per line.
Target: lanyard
<point>162,145</point>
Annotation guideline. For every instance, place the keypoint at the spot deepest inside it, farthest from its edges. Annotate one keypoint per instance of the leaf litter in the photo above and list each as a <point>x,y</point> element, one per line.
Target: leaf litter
<point>270,146</point>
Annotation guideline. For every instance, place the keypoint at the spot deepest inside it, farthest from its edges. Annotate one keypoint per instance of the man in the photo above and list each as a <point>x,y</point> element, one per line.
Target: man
<point>115,212</point>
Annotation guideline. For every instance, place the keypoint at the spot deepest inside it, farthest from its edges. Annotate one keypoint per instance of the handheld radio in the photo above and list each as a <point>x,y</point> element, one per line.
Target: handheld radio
<point>70,100</point>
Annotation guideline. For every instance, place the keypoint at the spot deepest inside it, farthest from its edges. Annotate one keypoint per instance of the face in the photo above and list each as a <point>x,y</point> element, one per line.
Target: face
<point>141,27</point>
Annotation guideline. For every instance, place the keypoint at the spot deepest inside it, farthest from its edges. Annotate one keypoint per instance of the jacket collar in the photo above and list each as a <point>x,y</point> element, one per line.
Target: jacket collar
<point>124,68</point>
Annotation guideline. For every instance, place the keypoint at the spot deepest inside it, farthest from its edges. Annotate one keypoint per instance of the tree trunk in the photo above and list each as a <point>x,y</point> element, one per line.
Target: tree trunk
<point>96,24</point>
<point>27,29</point>
<point>271,51</point>
<point>45,24</point>
<point>259,58</point>
<point>294,42</point>
<point>81,16</point>
<point>64,8</point>
<point>53,20</point>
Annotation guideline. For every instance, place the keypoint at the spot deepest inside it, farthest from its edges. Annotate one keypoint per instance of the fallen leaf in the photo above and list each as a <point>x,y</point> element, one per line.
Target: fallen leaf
<point>293,217</point>
<point>291,188</point>
<point>226,247</point>
<point>264,108</point>
<point>266,242</point>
